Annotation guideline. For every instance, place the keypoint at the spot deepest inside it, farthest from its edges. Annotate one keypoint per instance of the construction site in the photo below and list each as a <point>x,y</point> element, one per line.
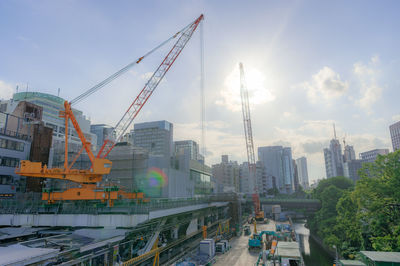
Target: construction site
<point>74,212</point>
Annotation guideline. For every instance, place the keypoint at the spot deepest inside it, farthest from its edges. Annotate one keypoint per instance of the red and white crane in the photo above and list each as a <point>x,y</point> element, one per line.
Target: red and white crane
<point>99,164</point>
<point>248,132</point>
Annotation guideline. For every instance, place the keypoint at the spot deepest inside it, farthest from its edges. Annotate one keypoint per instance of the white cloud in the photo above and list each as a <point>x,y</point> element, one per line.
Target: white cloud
<point>326,84</point>
<point>259,93</point>
<point>370,91</point>
<point>217,140</point>
<point>396,117</point>
<point>6,90</point>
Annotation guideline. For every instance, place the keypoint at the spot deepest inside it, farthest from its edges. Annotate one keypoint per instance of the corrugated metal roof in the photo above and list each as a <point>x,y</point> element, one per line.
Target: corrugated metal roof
<point>351,263</point>
<point>288,249</point>
<point>22,255</point>
<point>382,256</point>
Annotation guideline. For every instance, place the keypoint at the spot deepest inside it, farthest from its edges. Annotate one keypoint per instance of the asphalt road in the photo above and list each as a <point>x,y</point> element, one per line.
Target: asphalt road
<point>239,254</point>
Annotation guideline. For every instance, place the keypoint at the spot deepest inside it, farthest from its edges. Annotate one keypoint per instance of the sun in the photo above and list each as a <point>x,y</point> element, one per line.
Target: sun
<point>257,86</point>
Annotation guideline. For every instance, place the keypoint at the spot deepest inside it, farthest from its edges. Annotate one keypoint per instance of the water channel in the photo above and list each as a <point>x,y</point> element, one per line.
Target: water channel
<point>313,253</point>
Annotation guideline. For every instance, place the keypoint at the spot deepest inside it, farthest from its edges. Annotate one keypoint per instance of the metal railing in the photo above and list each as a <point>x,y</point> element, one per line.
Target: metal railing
<point>34,205</point>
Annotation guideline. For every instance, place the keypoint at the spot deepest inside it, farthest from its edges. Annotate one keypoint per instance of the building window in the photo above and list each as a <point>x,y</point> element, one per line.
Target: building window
<point>11,145</point>
<point>9,162</point>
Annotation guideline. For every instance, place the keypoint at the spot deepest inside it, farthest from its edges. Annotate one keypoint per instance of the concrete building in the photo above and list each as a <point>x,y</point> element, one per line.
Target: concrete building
<point>295,176</point>
<point>262,180</point>
<point>156,137</point>
<point>333,159</point>
<point>148,164</point>
<point>246,184</point>
<point>278,164</point>
<point>302,172</point>
<point>51,106</point>
<point>370,156</point>
<point>226,175</point>
<point>102,131</point>
<point>395,135</point>
<point>23,136</point>
<point>13,149</point>
<point>187,145</point>
<point>349,153</point>
<point>137,170</point>
<point>351,169</point>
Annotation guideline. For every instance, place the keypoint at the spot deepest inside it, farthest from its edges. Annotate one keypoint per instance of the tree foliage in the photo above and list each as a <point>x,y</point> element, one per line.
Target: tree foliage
<point>366,217</point>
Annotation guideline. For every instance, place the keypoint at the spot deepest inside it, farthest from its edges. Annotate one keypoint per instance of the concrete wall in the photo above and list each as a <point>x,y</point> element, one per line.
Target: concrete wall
<point>100,220</point>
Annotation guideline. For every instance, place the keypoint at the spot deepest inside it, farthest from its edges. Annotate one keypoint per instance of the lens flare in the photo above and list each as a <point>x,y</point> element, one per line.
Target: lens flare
<point>156,178</point>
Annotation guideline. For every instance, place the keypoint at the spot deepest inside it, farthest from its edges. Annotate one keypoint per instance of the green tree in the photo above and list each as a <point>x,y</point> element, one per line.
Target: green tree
<point>324,222</point>
<point>378,202</point>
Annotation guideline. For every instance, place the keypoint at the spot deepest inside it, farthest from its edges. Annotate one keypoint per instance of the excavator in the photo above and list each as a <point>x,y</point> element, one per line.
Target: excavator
<point>88,179</point>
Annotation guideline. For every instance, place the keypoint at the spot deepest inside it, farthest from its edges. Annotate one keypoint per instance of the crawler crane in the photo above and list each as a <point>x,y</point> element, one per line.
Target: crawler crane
<point>248,132</point>
<point>88,179</point>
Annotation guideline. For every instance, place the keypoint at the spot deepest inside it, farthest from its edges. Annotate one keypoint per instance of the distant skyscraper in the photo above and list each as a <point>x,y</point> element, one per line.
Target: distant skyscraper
<point>102,132</point>
<point>278,164</point>
<point>333,159</point>
<point>302,172</point>
<point>349,153</point>
<point>295,176</point>
<point>370,156</point>
<point>395,135</point>
<point>351,169</point>
<point>156,137</point>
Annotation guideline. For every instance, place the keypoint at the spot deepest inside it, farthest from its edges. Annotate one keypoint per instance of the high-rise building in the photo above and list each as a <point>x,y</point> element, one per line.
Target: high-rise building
<point>23,136</point>
<point>263,182</point>
<point>226,175</point>
<point>102,131</point>
<point>349,153</point>
<point>333,159</point>
<point>13,148</point>
<point>278,164</point>
<point>189,146</point>
<point>246,183</point>
<point>395,135</point>
<point>351,169</point>
<point>51,106</point>
<point>302,172</point>
<point>156,137</point>
<point>295,176</point>
<point>370,156</point>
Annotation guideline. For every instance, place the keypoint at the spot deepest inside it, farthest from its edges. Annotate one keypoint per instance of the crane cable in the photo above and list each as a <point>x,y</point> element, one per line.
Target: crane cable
<point>123,70</point>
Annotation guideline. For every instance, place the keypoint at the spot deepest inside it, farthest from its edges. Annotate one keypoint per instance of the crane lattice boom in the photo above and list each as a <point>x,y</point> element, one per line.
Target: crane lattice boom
<point>244,94</point>
<point>133,110</point>
<point>88,178</point>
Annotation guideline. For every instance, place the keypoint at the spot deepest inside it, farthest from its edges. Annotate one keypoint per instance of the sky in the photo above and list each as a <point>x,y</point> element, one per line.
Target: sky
<point>308,64</point>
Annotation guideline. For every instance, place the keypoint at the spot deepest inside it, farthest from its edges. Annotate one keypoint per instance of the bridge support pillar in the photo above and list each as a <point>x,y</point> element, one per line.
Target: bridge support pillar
<point>174,232</point>
<point>201,222</point>
<point>192,226</point>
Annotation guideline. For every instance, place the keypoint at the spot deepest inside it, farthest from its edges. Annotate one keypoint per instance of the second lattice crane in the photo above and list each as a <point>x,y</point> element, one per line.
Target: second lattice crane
<point>248,132</point>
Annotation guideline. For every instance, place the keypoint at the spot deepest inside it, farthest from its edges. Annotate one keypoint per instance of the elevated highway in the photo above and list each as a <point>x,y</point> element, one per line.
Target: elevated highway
<point>304,204</point>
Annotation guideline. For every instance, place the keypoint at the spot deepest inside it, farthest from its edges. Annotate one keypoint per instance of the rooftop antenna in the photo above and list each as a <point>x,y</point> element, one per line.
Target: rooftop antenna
<point>58,92</point>
<point>334,130</point>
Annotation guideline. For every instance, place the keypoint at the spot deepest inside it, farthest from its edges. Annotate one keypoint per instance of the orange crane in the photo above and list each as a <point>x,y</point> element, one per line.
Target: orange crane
<point>248,132</point>
<point>88,189</point>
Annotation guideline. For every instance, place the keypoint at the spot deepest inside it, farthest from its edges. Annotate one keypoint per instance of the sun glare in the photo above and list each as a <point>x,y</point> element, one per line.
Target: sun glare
<point>257,86</point>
